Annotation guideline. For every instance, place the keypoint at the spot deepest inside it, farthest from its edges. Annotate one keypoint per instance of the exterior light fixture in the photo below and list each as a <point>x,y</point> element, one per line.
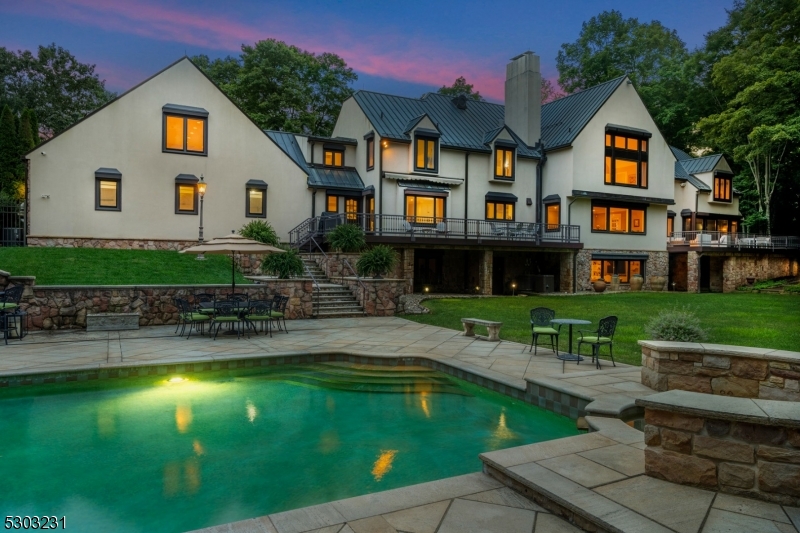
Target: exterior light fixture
<point>176,380</point>
<point>513,288</point>
<point>385,144</point>
<point>427,289</point>
<point>201,189</point>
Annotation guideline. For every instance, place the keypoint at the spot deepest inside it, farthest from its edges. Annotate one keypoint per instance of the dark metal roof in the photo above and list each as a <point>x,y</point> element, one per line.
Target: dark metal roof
<point>288,143</point>
<point>462,129</point>
<point>105,172</point>
<point>256,184</point>
<point>698,184</point>
<point>619,256</point>
<point>565,118</point>
<point>551,198</point>
<point>503,196</point>
<point>622,197</point>
<point>680,172</point>
<point>186,178</point>
<point>670,213</point>
<point>346,178</point>
<point>679,154</point>
<point>423,185</point>
<point>185,110</point>
<point>697,165</point>
<point>616,128</point>
<point>340,140</point>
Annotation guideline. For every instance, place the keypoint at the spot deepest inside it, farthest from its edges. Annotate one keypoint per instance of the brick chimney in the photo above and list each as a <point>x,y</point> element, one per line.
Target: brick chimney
<point>524,97</point>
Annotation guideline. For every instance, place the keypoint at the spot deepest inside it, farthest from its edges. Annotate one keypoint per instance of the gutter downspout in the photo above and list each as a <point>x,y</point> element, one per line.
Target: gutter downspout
<point>466,188</point>
<point>380,178</point>
<point>694,213</point>
<point>575,253</point>
<point>313,203</point>
<point>539,166</point>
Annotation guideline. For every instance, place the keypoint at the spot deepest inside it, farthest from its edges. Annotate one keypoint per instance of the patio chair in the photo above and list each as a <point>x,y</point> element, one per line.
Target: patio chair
<point>441,228</point>
<point>603,336</point>
<point>204,300</point>
<point>227,313</point>
<point>278,311</point>
<point>407,227</point>
<point>9,301</point>
<point>497,230</point>
<point>187,315</point>
<point>540,325</point>
<point>260,312</point>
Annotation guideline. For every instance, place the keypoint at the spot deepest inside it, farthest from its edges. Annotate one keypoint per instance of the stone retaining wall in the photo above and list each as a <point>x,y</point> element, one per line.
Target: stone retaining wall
<point>382,295</point>
<point>746,447</point>
<point>723,370</point>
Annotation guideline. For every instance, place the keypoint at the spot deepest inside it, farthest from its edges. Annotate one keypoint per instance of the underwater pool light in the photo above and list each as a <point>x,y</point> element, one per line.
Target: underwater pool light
<point>176,379</point>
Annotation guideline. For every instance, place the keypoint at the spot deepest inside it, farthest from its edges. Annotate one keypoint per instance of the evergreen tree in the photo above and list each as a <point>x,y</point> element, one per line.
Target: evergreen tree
<point>8,150</point>
<point>25,133</point>
<point>35,139</point>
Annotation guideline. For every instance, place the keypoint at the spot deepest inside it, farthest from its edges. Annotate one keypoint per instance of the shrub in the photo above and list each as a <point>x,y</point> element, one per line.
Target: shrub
<point>346,238</point>
<point>793,289</point>
<point>283,265</point>
<point>677,324</point>
<point>261,231</point>
<point>377,261</point>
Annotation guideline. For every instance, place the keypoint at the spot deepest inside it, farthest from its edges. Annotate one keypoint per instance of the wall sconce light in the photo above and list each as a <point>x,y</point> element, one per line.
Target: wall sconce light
<point>528,201</point>
<point>683,185</point>
<point>45,196</point>
<point>385,144</point>
<point>477,289</point>
<point>427,289</point>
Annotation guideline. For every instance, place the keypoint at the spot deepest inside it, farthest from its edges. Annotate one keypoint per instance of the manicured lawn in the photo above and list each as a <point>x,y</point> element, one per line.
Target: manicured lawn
<point>759,320</point>
<point>91,266</point>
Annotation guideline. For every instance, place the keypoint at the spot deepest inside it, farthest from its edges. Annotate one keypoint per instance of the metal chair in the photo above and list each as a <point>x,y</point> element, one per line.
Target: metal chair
<point>204,300</point>
<point>540,325</point>
<point>278,311</point>
<point>187,315</point>
<point>260,312</point>
<point>227,313</point>
<point>603,336</point>
<point>9,300</point>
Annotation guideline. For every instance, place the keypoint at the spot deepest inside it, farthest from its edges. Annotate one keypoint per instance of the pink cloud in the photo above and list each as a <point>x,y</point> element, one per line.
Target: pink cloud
<point>388,56</point>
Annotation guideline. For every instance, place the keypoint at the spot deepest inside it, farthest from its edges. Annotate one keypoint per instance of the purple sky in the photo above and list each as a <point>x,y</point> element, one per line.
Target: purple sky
<point>406,48</point>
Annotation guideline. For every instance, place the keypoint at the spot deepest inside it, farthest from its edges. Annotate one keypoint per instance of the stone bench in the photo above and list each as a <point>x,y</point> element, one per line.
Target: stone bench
<point>492,327</point>
<point>111,321</point>
<point>748,447</point>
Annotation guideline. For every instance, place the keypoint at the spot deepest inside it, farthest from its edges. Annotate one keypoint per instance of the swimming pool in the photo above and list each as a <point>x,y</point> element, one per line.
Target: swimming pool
<point>175,453</point>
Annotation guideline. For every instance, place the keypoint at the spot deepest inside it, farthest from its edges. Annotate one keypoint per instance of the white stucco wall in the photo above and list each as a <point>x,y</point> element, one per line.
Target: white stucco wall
<point>127,135</point>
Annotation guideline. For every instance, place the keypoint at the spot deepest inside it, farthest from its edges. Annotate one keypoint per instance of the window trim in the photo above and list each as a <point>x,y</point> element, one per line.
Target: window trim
<point>186,183</point>
<point>547,226</point>
<point>326,149</point>
<point>496,203</point>
<point>371,152</point>
<point>98,178</point>
<point>642,156</point>
<point>619,205</point>
<point>723,178</point>
<point>253,185</point>
<point>436,217</point>
<point>642,268</point>
<point>435,141</point>
<point>185,151</point>
<point>328,196</point>
<point>505,148</point>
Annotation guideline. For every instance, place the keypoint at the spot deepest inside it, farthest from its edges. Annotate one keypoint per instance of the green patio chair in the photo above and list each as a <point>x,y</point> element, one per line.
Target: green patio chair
<point>260,312</point>
<point>188,316</point>
<point>227,313</point>
<point>540,325</point>
<point>10,298</point>
<point>603,336</point>
<point>278,312</point>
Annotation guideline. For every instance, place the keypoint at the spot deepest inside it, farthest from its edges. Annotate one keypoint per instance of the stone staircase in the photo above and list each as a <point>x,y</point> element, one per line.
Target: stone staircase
<point>334,300</point>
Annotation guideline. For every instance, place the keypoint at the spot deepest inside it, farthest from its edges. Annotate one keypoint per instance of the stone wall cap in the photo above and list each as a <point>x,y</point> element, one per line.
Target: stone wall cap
<point>765,412</point>
<point>584,393</point>
<point>373,280</point>
<point>4,273</point>
<point>721,349</point>
<point>672,346</point>
<point>12,278</point>
<point>129,287</point>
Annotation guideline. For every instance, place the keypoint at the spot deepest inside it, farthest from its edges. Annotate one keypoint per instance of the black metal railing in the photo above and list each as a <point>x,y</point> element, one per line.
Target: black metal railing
<point>12,223</point>
<point>739,241</point>
<point>438,228</point>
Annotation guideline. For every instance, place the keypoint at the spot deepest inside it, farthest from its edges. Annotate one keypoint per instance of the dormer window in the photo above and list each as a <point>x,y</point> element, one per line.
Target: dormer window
<point>722,188</point>
<point>185,130</point>
<point>426,153</point>
<point>504,163</point>
<point>333,157</point>
<point>626,157</point>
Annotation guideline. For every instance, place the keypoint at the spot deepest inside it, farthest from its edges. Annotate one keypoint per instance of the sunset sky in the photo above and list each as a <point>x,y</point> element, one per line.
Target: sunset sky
<point>403,48</point>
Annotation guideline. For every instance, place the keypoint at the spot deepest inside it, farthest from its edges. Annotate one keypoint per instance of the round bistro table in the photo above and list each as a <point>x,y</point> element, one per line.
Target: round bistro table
<point>570,322</point>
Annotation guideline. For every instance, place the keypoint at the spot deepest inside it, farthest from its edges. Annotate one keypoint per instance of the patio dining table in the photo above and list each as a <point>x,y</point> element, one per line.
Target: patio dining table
<point>210,308</point>
<point>569,356</point>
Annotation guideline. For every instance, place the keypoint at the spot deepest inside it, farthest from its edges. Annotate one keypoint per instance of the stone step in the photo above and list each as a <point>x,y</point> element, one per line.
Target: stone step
<point>337,314</point>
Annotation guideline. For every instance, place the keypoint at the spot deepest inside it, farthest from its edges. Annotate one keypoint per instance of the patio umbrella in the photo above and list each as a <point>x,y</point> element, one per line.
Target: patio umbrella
<point>231,244</point>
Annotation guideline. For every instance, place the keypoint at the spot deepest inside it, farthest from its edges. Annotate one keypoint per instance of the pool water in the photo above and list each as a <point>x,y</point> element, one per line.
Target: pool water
<point>177,453</point>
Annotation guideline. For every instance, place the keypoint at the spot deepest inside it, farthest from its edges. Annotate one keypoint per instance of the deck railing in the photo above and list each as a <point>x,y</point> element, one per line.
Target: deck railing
<point>420,227</point>
<point>739,241</point>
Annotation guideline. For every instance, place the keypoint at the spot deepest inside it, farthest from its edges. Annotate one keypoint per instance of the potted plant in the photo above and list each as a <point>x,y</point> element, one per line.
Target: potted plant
<point>750,280</point>
<point>614,282</point>
<point>283,265</point>
<point>599,285</point>
<point>347,238</point>
<point>637,280</point>
<point>377,261</point>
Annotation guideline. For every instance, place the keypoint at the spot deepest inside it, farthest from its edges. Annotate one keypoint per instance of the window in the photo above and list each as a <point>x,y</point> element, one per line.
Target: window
<point>721,225</point>
<point>618,219</point>
<point>333,158</point>
<point>426,157</point>
<point>504,163</point>
<point>553,213</point>
<point>670,226</point>
<point>626,161</point>
<point>351,209</point>
<point>256,201</point>
<point>332,204</point>
<point>424,209</point>
<point>499,211</point>
<point>722,188</point>
<point>185,134</point>
<point>108,194</point>
<point>370,153</point>
<point>603,269</point>
<point>185,199</point>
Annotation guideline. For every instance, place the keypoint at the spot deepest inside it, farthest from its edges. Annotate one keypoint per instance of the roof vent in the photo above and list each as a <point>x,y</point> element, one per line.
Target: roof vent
<point>460,101</point>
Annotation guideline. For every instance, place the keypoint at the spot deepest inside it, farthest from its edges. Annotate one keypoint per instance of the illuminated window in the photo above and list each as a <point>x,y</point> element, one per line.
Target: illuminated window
<point>185,199</point>
<point>424,209</point>
<point>185,134</point>
<point>370,153</point>
<point>553,212</point>
<point>426,157</point>
<point>499,211</point>
<point>625,161</point>
<point>504,163</point>
<point>670,226</point>
<point>108,193</point>
<point>618,219</point>
<point>722,188</point>
<point>351,209</point>
<point>333,158</point>
<point>256,200</point>
<point>332,204</point>
<point>604,269</point>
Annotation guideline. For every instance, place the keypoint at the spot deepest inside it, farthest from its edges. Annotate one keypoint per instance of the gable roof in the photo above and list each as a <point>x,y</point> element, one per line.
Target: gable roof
<point>698,165</point>
<point>466,129</point>
<point>288,143</point>
<point>565,118</point>
<point>687,166</point>
<point>679,154</point>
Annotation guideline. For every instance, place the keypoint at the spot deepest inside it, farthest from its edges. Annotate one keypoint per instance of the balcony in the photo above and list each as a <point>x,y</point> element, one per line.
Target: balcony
<point>720,240</point>
<point>429,230</point>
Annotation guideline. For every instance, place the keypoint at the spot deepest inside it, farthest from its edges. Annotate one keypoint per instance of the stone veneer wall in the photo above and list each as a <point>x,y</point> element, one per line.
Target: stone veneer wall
<point>657,264</point>
<point>67,307</point>
<point>732,445</point>
<point>737,267</point>
<point>382,296</point>
<point>565,272</point>
<point>724,370</point>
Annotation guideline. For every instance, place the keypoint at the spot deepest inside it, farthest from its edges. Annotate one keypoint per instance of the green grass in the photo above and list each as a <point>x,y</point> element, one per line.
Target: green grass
<point>758,320</point>
<point>92,266</point>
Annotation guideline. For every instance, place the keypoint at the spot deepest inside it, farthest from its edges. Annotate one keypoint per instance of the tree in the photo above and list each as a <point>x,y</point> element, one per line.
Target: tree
<point>25,134</point>
<point>760,121</point>
<point>549,91</point>
<point>282,87</point>
<point>459,87</point>
<point>653,57</point>
<point>53,83</point>
<point>9,150</point>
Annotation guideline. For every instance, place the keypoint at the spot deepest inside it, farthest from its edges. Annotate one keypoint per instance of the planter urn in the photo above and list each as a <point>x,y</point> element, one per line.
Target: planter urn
<point>636,282</point>
<point>657,283</point>
<point>615,282</point>
<point>599,285</point>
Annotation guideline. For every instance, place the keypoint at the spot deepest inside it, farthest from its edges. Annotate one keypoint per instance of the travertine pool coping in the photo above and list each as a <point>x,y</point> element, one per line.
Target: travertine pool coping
<point>785,356</point>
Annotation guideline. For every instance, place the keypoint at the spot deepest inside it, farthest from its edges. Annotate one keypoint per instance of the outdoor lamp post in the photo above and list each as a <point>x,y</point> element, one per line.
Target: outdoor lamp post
<point>201,189</point>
